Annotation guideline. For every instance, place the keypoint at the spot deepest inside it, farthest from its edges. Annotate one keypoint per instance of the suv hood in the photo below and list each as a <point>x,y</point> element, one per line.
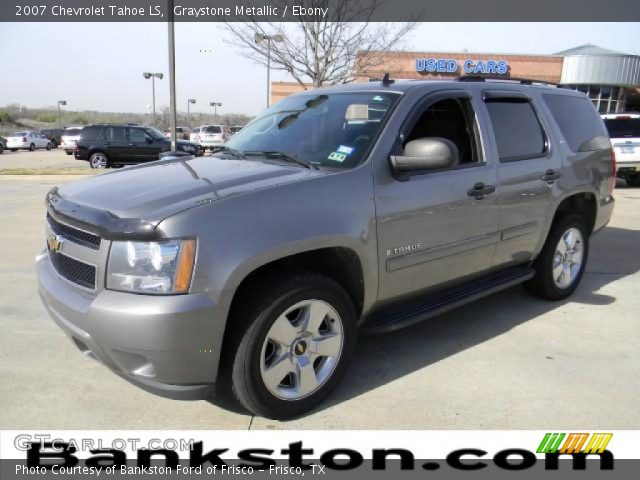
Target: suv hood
<point>131,202</point>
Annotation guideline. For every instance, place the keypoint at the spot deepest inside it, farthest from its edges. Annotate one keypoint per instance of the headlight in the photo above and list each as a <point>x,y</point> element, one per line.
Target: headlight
<point>162,267</point>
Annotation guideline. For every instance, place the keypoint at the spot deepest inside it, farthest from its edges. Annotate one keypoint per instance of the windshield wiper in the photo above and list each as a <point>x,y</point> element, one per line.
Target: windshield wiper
<point>284,156</point>
<point>231,151</point>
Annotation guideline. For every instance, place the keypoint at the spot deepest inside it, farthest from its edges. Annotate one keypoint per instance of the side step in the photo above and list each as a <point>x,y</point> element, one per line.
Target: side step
<point>416,311</point>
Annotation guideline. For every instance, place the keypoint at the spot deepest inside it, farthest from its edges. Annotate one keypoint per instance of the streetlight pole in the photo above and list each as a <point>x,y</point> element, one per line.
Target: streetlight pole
<point>215,106</point>
<point>261,37</point>
<point>172,77</point>
<point>153,76</point>
<point>189,102</point>
<point>60,102</point>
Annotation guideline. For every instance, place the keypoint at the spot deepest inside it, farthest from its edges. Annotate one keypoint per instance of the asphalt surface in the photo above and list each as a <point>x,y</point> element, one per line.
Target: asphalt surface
<point>55,158</point>
<point>508,361</point>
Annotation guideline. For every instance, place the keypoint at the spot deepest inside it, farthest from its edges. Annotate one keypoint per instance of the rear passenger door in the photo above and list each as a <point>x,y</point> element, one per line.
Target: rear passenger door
<point>528,172</point>
<point>116,143</point>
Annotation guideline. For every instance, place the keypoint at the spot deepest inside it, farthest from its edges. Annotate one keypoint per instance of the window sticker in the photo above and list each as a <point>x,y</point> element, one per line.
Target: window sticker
<point>337,156</point>
<point>345,149</point>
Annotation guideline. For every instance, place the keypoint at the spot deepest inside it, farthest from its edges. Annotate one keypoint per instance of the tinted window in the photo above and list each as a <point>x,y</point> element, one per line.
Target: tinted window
<point>577,119</point>
<point>89,133</point>
<point>137,135</point>
<point>211,130</point>
<point>20,134</point>
<point>196,130</point>
<point>117,134</point>
<point>517,129</point>
<point>623,127</point>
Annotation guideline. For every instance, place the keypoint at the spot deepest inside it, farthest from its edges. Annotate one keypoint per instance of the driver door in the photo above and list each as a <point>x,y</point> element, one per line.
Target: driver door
<point>433,231</point>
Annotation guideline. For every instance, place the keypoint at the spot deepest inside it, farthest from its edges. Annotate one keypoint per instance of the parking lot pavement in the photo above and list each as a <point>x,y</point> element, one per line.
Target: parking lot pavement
<point>507,361</point>
<point>39,159</point>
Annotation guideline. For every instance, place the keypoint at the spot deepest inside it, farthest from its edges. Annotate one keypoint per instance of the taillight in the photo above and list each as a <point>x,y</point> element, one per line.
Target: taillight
<point>613,171</point>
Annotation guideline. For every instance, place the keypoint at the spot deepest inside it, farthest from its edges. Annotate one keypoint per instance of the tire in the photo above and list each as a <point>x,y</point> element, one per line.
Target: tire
<point>552,281</point>
<point>250,351</point>
<point>68,152</point>
<point>99,160</point>
<point>49,146</point>
<point>634,180</point>
<point>32,147</point>
<point>14,149</point>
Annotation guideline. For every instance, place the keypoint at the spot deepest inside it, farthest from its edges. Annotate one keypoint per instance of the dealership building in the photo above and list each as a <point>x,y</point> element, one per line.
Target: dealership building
<point>611,79</point>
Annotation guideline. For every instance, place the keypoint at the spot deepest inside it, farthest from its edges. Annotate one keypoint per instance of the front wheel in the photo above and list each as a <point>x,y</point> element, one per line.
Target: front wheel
<point>68,152</point>
<point>290,345</point>
<point>48,146</point>
<point>560,265</point>
<point>98,160</point>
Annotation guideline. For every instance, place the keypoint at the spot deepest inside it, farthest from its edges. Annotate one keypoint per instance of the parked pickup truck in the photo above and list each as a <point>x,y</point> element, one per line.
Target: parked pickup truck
<point>363,207</point>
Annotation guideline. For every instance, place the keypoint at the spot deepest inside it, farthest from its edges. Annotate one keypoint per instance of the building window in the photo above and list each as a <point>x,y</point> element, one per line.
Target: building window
<point>606,99</point>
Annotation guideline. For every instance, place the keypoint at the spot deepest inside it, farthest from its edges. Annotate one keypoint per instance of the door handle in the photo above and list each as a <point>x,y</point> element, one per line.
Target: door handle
<point>479,190</point>
<point>551,176</point>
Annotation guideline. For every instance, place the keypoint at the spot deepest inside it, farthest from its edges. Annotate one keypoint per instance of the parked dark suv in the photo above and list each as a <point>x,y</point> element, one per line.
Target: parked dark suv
<point>112,145</point>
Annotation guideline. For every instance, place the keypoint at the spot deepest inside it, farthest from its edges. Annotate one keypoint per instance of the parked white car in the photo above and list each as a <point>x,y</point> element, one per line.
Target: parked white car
<point>69,138</point>
<point>624,130</point>
<point>213,136</point>
<point>194,136</point>
<point>27,140</point>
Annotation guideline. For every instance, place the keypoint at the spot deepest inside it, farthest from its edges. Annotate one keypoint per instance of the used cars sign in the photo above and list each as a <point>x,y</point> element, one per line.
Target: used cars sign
<point>445,65</point>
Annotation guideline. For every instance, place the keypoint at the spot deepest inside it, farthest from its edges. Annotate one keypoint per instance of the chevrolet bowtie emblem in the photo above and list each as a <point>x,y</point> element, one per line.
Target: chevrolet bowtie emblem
<point>55,242</point>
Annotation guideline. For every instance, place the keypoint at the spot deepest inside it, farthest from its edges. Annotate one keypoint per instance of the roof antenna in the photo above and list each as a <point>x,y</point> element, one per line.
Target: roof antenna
<point>386,80</point>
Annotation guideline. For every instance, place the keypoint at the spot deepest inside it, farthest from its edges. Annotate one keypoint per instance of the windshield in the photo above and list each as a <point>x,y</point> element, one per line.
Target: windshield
<point>623,127</point>
<point>155,133</point>
<point>72,132</point>
<point>330,130</point>
<point>211,130</point>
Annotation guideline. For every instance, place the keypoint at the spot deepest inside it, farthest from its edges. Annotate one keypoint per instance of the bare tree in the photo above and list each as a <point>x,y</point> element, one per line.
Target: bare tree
<point>331,50</point>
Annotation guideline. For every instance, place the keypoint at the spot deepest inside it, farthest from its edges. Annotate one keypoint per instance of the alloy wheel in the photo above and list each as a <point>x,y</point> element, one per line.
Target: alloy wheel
<point>301,349</point>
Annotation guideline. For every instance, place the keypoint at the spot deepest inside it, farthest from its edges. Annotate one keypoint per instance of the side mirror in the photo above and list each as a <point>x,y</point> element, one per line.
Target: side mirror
<point>148,139</point>
<point>432,153</point>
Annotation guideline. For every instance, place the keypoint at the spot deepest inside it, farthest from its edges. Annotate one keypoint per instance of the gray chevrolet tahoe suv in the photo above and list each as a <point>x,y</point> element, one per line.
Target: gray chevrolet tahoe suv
<point>366,207</point>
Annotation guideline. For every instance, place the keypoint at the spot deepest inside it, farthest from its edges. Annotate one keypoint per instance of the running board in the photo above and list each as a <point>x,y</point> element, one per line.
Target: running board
<point>413,312</point>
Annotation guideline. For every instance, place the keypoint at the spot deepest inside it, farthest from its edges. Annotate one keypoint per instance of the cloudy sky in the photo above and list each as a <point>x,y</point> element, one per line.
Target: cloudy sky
<point>98,66</point>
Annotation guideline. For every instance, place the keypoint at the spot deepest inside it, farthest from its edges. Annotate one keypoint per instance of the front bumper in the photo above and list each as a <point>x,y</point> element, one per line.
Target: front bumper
<point>604,213</point>
<point>167,345</point>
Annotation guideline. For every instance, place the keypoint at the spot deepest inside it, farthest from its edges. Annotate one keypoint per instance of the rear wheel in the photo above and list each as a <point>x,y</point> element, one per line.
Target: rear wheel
<point>68,152</point>
<point>49,146</point>
<point>32,147</point>
<point>633,180</point>
<point>13,149</point>
<point>290,344</point>
<point>560,265</point>
<point>98,160</point>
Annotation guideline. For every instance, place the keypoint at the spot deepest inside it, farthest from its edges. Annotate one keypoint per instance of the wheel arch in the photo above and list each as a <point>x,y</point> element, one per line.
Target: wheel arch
<point>341,264</point>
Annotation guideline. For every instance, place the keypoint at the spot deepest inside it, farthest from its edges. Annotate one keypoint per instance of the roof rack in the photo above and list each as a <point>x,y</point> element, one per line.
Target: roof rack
<point>522,81</point>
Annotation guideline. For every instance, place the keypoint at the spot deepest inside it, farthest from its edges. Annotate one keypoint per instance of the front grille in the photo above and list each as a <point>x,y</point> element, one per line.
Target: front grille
<point>74,270</point>
<point>85,239</point>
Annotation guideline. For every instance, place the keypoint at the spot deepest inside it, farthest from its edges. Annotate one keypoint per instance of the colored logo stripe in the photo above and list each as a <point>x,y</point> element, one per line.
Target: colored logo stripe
<point>574,443</point>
